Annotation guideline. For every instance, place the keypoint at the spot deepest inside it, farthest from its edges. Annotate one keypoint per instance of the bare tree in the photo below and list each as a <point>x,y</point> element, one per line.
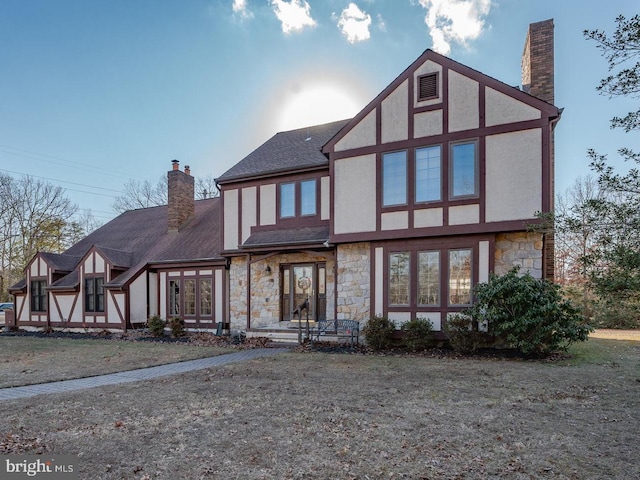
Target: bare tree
<point>206,187</point>
<point>36,216</point>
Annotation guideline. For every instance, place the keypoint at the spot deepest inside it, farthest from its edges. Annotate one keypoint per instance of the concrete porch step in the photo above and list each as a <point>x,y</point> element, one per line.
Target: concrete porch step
<point>276,336</point>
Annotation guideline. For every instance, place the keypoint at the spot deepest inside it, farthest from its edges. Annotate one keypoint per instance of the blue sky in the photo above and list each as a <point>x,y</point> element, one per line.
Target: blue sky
<point>96,92</point>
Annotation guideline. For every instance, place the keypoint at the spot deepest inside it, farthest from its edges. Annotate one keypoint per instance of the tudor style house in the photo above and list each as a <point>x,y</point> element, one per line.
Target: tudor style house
<point>398,211</point>
<point>401,210</point>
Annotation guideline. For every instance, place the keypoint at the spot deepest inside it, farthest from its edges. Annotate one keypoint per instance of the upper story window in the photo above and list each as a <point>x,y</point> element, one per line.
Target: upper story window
<point>38,296</point>
<point>428,174</point>
<point>464,170</point>
<point>394,178</point>
<point>94,294</point>
<point>287,200</point>
<point>308,197</point>
<point>298,198</point>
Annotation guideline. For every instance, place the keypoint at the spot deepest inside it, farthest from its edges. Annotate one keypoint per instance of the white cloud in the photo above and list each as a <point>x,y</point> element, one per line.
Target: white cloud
<point>354,24</point>
<point>294,15</point>
<point>240,8</point>
<point>454,21</point>
<point>381,25</point>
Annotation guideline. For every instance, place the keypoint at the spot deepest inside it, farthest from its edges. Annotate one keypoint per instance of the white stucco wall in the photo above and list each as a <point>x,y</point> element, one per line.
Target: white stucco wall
<point>325,198</point>
<point>138,300</point>
<point>249,210</point>
<point>394,221</point>
<point>230,219</point>
<point>463,102</point>
<point>268,204</point>
<point>428,217</point>
<point>355,195</point>
<point>361,135</point>
<point>513,175</point>
<point>501,109</point>
<point>426,124</point>
<point>395,114</point>
<point>464,214</point>
<point>153,294</point>
<point>163,295</point>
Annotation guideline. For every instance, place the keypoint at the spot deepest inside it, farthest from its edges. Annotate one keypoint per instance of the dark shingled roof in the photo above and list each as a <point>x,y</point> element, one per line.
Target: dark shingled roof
<point>292,236</point>
<point>60,262</point>
<point>139,237</point>
<point>286,152</point>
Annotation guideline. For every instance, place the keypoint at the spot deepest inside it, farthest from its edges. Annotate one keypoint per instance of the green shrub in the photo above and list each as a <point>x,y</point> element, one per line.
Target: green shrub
<point>529,315</point>
<point>156,325</point>
<point>176,324</point>
<point>418,334</point>
<point>378,332</point>
<point>463,337</point>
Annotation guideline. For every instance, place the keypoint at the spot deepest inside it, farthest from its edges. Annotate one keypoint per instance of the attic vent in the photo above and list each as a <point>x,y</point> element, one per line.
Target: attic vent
<point>428,87</point>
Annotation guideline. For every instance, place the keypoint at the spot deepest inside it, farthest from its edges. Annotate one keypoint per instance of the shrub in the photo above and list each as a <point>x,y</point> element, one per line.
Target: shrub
<point>530,315</point>
<point>463,337</point>
<point>176,324</point>
<point>378,332</point>
<point>156,325</point>
<point>418,334</point>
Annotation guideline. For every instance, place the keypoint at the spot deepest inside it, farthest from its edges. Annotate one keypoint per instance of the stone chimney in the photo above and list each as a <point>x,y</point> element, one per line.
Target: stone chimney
<point>537,61</point>
<point>181,206</point>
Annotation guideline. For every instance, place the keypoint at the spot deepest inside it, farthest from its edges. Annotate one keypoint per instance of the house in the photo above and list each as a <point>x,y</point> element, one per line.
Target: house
<point>398,211</point>
<point>152,261</point>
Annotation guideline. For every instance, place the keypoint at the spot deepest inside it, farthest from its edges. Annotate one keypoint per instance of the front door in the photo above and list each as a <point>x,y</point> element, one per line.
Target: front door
<point>303,292</point>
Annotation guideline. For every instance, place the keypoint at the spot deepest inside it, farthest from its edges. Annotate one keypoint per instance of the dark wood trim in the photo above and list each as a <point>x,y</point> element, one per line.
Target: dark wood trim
<point>445,101</point>
<point>442,139</point>
<point>431,232</point>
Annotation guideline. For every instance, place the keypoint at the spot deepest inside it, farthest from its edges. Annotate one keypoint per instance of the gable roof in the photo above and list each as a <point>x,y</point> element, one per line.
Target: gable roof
<point>446,62</point>
<point>139,237</point>
<point>285,152</point>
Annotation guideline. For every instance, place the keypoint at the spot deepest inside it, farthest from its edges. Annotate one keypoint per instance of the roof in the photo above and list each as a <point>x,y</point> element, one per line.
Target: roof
<point>139,237</point>
<point>292,236</point>
<point>60,262</point>
<point>286,152</point>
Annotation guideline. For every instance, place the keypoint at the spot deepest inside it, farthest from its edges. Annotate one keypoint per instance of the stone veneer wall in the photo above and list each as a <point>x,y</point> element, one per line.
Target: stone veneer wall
<point>521,248</point>
<point>354,281</point>
<point>265,289</point>
<point>238,293</point>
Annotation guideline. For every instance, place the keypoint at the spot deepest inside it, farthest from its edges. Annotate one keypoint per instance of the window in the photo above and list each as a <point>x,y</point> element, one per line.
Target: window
<point>429,278</point>
<point>460,277</point>
<point>464,171</point>
<point>205,296</point>
<point>38,296</point>
<point>174,298</point>
<point>428,87</point>
<point>94,294</point>
<point>428,173</point>
<point>308,197</point>
<point>190,297</point>
<point>394,178</point>
<point>399,278</point>
<point>287,200</point>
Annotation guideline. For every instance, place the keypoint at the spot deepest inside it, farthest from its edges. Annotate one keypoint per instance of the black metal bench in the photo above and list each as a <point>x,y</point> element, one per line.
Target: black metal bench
<point>337,328</point>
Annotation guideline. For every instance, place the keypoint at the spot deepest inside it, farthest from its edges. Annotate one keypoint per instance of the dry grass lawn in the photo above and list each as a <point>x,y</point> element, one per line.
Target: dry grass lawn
<point>342,416</point>
<point>31,360</point>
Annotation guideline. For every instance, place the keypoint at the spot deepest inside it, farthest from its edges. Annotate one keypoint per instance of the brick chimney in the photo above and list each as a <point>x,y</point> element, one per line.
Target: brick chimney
<point>181,206</point>
<point>537,61</point>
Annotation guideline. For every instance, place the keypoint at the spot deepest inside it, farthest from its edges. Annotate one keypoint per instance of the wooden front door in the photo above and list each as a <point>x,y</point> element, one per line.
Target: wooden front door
<point>303,292</point>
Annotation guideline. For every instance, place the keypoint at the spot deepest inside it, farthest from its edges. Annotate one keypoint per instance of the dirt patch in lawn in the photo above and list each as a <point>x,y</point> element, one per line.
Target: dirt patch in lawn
<point>27,359</point>
<point>320,416</point>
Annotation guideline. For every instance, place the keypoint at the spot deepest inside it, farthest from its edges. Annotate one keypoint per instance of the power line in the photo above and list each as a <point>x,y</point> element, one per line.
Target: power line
<point>70,183</point>
<point>86,166</point>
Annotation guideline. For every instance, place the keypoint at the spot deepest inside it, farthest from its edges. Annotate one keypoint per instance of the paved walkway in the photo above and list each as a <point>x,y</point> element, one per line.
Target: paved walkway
<point>13,393</point>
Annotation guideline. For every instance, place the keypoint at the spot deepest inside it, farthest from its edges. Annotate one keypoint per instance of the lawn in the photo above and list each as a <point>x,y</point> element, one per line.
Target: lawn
<point>343,416</point>
<point>30,360</point>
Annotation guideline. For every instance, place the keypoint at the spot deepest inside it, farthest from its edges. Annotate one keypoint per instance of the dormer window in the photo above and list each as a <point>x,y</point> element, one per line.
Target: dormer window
<point>428,87</point>
<point>38,296</point>
<point>94,294</point>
